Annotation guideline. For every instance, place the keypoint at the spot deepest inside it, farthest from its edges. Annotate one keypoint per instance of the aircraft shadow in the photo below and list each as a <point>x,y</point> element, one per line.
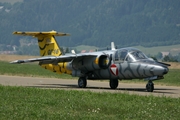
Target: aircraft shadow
<point>51,86</point>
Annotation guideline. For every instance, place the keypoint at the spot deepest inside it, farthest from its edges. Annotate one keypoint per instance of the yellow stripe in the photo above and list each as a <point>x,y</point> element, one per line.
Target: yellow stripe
<point>60,68</point>
<point>96,60</point>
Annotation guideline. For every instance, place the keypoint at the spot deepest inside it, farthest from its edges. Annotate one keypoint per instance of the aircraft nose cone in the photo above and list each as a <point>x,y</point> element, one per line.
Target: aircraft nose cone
<point>166,70</point>
<point>160,70</point>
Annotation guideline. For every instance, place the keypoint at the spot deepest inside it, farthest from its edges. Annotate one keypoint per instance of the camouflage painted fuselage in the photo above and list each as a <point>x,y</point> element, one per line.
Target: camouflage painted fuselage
<point>126,63</point>
<point>130,70</point>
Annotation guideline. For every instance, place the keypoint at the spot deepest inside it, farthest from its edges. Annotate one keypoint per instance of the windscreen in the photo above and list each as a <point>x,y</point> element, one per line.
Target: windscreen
<point>137,55</point>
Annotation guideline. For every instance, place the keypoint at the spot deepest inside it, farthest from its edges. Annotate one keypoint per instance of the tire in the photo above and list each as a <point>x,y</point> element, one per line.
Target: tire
<point>150,87</point>
<point>82,82</point>
<point>113,83</point>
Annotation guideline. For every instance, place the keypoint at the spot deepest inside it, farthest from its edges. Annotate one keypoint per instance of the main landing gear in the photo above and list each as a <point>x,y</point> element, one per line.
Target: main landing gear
<point>150,86</point>
<point>82,82</point>
<point>113,83</point>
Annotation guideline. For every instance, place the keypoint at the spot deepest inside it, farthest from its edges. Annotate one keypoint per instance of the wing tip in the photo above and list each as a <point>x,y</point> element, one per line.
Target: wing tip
<point>15,32</point>
<point>17,62</point>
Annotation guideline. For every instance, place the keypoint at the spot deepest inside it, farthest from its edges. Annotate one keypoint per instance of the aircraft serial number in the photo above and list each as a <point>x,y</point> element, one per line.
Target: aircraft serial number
<point>53,51</point>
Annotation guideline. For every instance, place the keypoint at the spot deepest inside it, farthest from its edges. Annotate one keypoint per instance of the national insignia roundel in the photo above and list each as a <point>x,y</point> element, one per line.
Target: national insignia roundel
<point>114,69</point>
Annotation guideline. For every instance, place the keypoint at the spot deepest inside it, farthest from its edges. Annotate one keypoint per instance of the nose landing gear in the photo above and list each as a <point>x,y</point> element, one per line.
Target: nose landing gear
<point>150,86</point>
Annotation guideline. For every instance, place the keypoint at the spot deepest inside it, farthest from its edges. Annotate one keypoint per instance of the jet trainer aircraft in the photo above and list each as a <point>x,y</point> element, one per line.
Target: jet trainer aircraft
<point>115,64</point>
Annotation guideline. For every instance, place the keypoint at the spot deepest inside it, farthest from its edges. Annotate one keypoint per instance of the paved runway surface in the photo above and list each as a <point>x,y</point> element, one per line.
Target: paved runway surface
<point>96,86</point>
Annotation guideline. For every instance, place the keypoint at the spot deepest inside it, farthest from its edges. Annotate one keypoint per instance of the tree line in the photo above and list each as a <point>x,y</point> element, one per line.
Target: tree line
<point>95,22</point>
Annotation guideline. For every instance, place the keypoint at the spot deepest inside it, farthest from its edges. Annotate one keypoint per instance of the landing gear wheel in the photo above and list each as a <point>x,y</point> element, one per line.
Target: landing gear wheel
<point>82,82</point>
<point>150,86</point>
<point>113,83</point>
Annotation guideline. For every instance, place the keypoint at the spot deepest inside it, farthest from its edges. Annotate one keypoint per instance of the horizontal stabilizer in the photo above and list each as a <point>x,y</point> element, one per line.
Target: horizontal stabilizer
<point>35,34</point>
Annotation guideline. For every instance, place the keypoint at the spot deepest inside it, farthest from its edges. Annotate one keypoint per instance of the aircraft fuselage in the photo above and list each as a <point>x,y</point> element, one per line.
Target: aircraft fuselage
<point>130,70</point>
<point>125,63</point>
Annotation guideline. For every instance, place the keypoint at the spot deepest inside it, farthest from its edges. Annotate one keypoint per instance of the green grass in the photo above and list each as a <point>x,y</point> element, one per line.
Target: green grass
<point>33,103</point>
<point>172,78</point>
<point>33,70</point>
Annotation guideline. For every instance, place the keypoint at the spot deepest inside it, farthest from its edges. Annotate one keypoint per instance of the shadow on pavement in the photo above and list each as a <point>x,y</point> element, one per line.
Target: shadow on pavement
<point>72,86</point>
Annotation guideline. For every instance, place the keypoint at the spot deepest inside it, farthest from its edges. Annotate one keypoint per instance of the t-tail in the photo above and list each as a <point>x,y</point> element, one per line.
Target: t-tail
<point>46,41</point>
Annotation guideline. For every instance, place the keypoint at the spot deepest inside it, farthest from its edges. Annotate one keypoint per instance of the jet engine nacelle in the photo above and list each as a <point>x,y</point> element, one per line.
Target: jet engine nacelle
<point>91,63</point>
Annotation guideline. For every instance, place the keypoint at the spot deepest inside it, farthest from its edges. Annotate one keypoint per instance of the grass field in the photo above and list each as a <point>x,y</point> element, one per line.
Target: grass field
<point>9,58</point>
<point>33,103</point>
<point>32,70</point>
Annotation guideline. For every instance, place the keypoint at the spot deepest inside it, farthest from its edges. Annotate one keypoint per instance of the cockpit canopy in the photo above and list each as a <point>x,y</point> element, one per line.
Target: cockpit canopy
<point>129,54</point>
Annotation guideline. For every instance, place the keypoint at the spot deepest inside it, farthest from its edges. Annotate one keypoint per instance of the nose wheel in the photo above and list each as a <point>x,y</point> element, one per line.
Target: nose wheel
<point>150,86</point>
<point>82,82</point>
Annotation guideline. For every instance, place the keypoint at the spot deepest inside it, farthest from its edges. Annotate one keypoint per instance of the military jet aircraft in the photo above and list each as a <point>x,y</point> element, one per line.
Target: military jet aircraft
<point>115,64</point>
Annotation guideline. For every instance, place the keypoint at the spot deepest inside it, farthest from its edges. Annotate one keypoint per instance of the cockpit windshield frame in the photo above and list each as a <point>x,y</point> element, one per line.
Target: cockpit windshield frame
<point>129,54</point>
<point>138,55</point>
<point>120,55</point>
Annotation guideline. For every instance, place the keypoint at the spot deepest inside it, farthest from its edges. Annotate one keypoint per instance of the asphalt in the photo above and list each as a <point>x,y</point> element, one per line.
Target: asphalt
<point>95,86</point>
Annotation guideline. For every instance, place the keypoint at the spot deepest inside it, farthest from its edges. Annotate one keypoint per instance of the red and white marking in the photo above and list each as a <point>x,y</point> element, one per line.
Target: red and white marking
<point>114,69</point>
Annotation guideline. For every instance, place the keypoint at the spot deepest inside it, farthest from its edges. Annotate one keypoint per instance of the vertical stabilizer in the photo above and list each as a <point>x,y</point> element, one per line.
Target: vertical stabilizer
<point>46,41</point>
<point>48,46</point>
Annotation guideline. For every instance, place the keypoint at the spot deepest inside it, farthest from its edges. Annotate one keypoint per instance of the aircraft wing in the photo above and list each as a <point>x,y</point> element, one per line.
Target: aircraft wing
<point>53,59</point>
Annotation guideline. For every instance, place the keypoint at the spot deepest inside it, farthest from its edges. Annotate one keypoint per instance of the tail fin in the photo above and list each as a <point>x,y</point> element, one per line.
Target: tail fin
<point>47,42</point>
